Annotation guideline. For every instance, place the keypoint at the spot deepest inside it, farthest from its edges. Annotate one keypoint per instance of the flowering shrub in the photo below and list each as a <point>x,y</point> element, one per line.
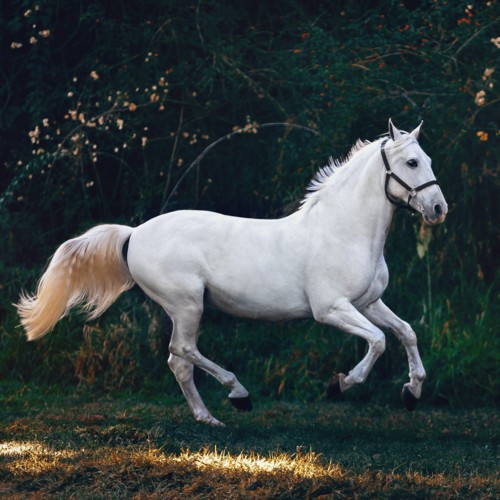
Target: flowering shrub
<point>104,106</point>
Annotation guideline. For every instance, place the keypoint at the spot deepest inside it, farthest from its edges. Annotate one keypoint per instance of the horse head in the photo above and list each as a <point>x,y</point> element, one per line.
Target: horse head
<point>415,185</point>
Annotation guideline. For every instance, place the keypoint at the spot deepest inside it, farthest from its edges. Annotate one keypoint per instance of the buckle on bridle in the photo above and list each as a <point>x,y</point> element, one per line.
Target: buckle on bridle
<point>413,193</point>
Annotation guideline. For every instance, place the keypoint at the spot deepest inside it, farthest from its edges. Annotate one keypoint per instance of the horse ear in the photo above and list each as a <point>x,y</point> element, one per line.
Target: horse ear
<point>415,133</point>
<point>393,131</point>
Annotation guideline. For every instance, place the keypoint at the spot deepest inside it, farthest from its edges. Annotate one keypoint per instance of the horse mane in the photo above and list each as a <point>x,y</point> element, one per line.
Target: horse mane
<point>325,173</point>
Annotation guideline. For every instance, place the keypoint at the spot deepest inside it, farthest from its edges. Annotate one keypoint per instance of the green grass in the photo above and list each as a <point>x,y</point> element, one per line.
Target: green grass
<point>60,442</point>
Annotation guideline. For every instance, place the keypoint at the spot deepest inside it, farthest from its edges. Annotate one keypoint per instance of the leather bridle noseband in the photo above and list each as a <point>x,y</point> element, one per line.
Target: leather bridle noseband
<point>412,192</point>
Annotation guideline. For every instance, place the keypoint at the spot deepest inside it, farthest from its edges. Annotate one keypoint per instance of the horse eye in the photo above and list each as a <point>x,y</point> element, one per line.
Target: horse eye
<point>412,163</point>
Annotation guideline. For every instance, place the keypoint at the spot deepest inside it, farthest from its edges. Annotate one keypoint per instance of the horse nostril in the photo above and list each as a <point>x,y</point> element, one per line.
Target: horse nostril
<point>438,210</point>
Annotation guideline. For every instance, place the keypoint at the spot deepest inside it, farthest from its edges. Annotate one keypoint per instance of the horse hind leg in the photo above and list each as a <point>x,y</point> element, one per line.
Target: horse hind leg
<point>183,346</point>
<point>183,371</point>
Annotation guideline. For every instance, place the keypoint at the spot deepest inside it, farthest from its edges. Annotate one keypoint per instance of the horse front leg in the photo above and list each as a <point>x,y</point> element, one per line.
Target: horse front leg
<point>346,317</point>
<point>382,316</point>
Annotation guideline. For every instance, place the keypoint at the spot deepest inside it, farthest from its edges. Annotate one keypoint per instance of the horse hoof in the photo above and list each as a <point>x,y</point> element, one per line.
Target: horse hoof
<point>242,404</point>
<point>409,400</point>
<point>334,387</point>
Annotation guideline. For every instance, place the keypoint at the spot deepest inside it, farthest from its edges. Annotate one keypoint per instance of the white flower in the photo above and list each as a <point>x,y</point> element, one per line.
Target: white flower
<point>480,98</point>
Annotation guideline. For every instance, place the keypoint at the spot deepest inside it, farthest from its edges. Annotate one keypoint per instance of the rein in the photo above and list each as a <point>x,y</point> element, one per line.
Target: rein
<point>412,192</point>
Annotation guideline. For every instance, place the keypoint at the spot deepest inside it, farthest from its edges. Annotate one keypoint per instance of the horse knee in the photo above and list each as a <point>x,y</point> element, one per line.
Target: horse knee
<point>229,379</point>
<point>407,336</point>
<point>378,344</point>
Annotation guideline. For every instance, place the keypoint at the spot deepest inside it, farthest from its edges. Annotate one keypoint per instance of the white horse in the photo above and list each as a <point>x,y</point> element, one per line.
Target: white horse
<point>324,261</point>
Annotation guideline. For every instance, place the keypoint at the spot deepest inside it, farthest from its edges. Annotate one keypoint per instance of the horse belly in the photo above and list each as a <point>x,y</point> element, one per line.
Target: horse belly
<point>258,272</point>
<point>265,303</point>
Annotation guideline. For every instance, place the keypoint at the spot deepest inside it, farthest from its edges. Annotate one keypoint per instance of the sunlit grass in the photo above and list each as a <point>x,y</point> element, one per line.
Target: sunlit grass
<point>124,448</point>
<point>33,458</point>
<point>303,465</point>
<point>15,448</point>
<point>126,469</point>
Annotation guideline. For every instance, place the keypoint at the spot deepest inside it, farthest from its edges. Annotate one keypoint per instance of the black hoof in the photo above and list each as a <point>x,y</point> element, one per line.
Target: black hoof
<point>242,404</point>
<point>409,400</point>
<point>333,389</point>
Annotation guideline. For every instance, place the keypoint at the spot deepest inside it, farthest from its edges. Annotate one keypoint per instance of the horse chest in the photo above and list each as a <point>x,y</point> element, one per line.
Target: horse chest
<point>374,288</point>
<point>360,279</point>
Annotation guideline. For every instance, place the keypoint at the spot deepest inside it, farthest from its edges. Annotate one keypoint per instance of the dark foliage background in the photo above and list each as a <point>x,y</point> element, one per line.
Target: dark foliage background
<point>105,104</point>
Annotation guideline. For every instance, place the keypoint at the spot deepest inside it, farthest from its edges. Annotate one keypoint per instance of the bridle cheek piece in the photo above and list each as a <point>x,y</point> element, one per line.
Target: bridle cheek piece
<point>412,192</point>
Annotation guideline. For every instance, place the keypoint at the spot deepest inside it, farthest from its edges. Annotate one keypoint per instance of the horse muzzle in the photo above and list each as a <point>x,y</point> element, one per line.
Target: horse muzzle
<point>432,205</point>
<point>435,213</point>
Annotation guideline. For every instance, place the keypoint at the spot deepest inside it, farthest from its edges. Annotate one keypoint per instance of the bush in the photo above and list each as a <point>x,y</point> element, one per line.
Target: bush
<point>106,107</point>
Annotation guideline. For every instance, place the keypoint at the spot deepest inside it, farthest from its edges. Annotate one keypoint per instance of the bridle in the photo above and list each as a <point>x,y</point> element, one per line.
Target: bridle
<point>412,192</point>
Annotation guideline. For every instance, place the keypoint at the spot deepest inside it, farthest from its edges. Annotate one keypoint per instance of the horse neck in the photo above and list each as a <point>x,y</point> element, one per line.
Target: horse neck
<point>355,202</point>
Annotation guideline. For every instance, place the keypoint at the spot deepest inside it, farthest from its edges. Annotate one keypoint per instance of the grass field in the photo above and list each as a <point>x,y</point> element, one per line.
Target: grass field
<point>62,443</point>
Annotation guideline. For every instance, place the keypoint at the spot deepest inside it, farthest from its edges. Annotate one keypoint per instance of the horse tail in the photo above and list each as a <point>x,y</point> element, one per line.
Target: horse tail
<point>89,271</point>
